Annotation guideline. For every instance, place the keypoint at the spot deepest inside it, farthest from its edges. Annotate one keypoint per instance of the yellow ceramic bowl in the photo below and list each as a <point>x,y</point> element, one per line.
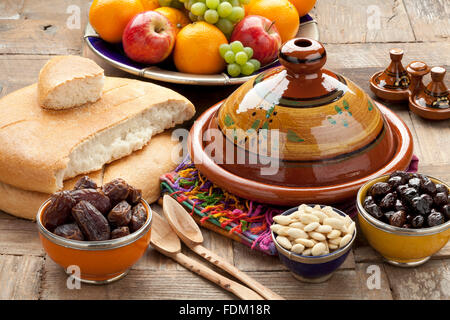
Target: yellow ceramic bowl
<point>399,246</point>
<point>99,262</point>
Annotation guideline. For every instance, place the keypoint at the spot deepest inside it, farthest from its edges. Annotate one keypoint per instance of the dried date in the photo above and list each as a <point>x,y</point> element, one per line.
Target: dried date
<point>120,232</point>
<point>59,210</point>
<point>116,190</point>
<point>94,197</point>
<point>120,215</point>
<point>138,217</point>
<point>69,231</point>
<point>85,183</point>
<point>92,223</point>
<point>134,196</point>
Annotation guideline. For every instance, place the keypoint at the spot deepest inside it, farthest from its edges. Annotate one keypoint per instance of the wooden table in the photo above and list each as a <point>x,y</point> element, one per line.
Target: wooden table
<point>31,31</point>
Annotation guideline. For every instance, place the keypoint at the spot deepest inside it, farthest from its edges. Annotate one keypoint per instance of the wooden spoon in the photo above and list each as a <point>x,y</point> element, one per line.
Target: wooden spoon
<point>188,231</point>
<point>166,241</point>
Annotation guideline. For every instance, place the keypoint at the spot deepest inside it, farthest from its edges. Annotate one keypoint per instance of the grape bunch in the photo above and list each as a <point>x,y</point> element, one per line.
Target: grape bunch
<point>239,59</point>
<point>224,14</point>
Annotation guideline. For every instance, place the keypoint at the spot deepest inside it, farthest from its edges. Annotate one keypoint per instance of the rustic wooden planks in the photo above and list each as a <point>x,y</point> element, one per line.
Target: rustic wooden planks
<point>20,277</point>
<point>347,21</point>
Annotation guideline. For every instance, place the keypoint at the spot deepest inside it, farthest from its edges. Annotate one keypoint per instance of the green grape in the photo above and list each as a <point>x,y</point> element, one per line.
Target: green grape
<point>198,8</point>
<point>224,48</point>
<point>234,70</point>
<point>247,69</point>
<point>211,16</point>
<point>193,17</point>
<point>241,58</point>
<point>224,9</point>
<point>245,1</point>
<point>229,56</point>
<point>255,63</point>
<point>212,4</point>
<point>200,18</point>
<point>237,14</point>
<point>164,3</point>
<point>225,26</point>
<point>249,52</point>
<point>236,46</point>
<point>201,1</point>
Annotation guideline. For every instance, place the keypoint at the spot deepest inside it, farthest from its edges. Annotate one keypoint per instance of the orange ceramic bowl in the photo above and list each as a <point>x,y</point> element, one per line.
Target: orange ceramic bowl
<point>99,262</point>
<point>399,246</point>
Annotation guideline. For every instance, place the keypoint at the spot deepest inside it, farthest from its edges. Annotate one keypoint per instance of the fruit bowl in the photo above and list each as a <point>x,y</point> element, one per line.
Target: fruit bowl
<point>298,133</point>
<point>114,55</point>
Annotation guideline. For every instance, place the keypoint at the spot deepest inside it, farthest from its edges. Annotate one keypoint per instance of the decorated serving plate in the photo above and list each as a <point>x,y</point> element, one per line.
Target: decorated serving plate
<point>114,55</point>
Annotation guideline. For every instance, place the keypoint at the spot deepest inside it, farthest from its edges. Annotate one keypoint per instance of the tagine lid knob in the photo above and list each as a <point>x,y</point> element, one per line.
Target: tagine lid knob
<point>302,55</point>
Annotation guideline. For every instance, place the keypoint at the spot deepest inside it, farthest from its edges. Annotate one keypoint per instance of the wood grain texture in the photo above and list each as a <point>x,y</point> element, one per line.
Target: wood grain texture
<point>19,237</point>
<point>428,282</point>
<point>349,21</point>
<point>430,19</point>
<point>370,288</point>
<point>20,277</point>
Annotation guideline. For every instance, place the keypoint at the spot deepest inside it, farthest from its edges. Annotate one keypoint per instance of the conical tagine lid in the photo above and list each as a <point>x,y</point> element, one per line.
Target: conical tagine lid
<point>327,129</point>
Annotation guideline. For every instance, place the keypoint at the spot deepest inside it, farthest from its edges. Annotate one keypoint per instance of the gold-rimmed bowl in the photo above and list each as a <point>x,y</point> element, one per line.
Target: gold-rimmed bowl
<point>98,262</point>
<point>400,246</point>
<point>313,269</point>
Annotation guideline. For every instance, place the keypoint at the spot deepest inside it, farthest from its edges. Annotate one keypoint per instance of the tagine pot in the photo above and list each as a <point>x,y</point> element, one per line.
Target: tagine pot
<point>298,133</point>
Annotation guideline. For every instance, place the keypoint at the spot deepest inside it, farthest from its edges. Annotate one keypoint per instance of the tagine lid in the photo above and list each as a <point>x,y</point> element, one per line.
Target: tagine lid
<point>318,114</point>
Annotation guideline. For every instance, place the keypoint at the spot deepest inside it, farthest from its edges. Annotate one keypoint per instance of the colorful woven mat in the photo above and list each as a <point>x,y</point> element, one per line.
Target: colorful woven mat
<point>242,220</point>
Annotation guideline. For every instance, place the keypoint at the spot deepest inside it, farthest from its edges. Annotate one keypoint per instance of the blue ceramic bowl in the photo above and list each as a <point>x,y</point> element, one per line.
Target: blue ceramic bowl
<point>313,269</point>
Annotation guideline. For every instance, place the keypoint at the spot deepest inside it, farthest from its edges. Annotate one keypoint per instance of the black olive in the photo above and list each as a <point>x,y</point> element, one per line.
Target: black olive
<point>446,211</point>
<point>387,216</point>
<point>367,201</point>
<point>374,211</point>
<point>379,189</point>
<point>399,205</point>
<point>402,174</point>
<point>440,199</point>
<point>409,194</point>
<point>417,221</point>
<point>420,205</point>
<point>441,188</point>
<point>427,186</point>
<point>402,188</point>
<point>388,201</point>
<point>395,181</point>
<point>398,219</point>
<point>414,183</point>
<point>435,218</point>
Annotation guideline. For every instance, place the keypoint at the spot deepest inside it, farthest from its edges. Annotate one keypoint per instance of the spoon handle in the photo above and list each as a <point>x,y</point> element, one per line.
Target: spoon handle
<point>238,274</point>
<point>227,284</point>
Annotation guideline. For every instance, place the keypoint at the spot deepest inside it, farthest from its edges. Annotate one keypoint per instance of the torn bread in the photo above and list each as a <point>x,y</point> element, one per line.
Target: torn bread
<point>42,148</point>
<point>69,81</point>
<point>141,169</point>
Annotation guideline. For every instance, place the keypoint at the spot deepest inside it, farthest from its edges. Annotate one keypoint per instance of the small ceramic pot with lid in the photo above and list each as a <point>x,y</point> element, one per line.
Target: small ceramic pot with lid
<point>298,132</point>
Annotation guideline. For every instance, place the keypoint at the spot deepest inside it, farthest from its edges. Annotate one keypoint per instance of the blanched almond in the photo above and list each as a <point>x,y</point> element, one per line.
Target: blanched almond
<point>345,240</point>
<point>307,252</point>
<point>297,225</point>
<point>324,229</point>
<point>318,249</point>
<point>335,241</point>
<point>333,234</point>
<point>284,242</point>
<point>317,236</point>
<point>334,222</point>
<point>297,233</point>
<point>308,218</point>
<point>306,242</point>
<point>283,220</point>
<point>298,248</point>
<point>311,227</point>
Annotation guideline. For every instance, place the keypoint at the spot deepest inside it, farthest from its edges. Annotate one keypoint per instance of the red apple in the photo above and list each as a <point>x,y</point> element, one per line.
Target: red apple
<point>261,35</point>
<point>148,38</point>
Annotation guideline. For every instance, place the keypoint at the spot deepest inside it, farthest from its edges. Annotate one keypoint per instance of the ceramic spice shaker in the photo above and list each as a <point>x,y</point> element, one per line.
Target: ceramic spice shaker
<point>392,83</point>
<point>416,70</point>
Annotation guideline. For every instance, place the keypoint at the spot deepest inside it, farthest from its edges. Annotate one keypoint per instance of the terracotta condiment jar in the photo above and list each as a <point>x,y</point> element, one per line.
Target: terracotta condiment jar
<point>432,101</point>
<point>416,70</point>
<point>392,83</point>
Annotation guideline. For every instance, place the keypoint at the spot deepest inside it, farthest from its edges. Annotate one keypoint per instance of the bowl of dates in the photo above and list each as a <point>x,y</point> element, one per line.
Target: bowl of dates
<point>102,230</point>
<point>405,216</point>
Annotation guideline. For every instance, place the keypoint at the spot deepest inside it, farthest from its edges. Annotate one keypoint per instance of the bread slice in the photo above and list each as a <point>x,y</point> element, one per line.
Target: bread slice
<point>69,81</point>
<point>141,169</point>
<point>42,148</point>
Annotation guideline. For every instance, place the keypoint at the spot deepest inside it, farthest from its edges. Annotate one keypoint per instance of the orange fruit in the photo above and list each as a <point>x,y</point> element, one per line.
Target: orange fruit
<point>303,6</point>
<point>178,18</point>
<point>282,12</point>
<point>110,17</point>
<point>149,4</point>
<point>197,49</point>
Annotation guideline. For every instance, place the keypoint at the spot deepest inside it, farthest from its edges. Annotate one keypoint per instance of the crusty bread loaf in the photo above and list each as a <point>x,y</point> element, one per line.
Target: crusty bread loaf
<point>69,81</point>
<point>41,148</point>
<point>141,169</point>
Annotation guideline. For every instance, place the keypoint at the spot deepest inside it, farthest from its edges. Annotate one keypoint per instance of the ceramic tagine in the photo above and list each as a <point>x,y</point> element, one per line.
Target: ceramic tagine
<point>298,133</point>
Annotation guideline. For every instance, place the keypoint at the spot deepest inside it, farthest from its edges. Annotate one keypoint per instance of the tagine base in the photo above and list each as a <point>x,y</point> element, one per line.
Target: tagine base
<point>386,94</point>
<point>410,264</point>
<point>428,113</point>
<point>312,280</point>
<point>99,280</point>
<point>291,196</point>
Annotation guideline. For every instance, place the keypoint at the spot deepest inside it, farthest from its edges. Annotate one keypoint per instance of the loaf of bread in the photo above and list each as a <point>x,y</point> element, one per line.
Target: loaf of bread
<point>69,81</point>
<point>141,169</point>
<point>41,148</point>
